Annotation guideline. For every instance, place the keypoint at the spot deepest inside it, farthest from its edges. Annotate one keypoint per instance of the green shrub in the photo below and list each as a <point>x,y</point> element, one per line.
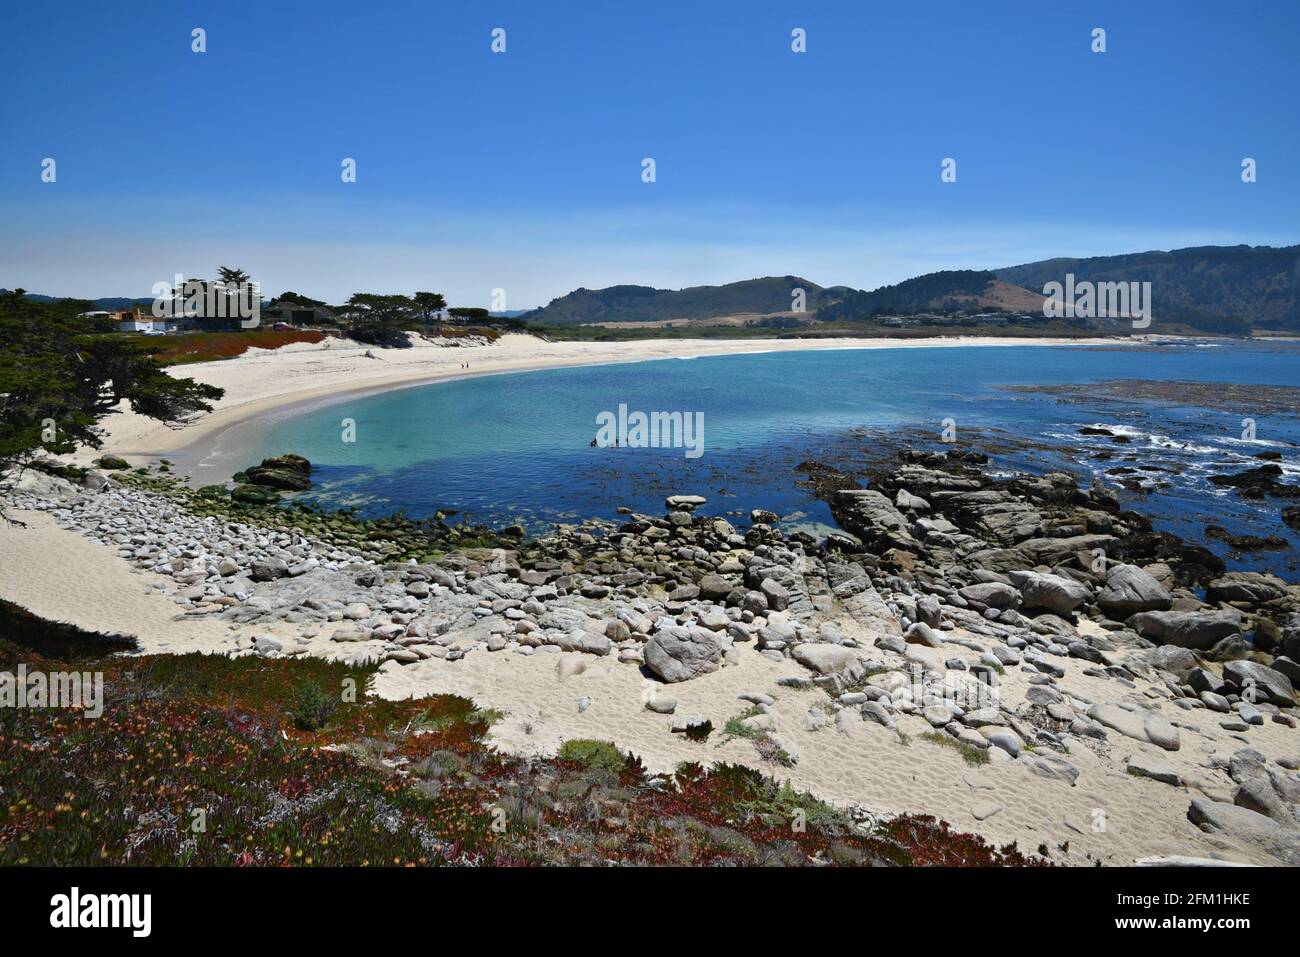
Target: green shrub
<point>735,727</point>
<point>592,754</point>
<point>969,753</point>
<point>314,706</point>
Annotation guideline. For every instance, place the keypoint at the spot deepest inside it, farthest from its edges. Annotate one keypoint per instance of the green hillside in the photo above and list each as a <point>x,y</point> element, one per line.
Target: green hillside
<point>1216,288</point>
<point>646,304</point>
<point>936,290</point>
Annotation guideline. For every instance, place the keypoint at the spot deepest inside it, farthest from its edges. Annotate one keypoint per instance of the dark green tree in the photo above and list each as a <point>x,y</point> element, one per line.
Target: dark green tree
<point>430,303</point>
<point>381,319</point>
<point>290,296</point>
<point>59,375</point>
<point>232,276</point>
<point>469,314</point>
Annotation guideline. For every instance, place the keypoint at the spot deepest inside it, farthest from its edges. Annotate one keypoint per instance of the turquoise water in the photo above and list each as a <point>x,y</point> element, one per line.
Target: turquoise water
<point>517,447</point>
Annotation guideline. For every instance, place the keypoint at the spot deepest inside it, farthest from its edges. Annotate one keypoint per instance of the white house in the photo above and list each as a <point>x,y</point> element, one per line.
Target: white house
<point>146,324</point>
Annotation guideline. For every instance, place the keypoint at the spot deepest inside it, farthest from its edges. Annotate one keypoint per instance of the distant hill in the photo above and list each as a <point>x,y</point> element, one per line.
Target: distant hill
<point>953,289</point>
<point>771,294</point>
<point>107,304</point>
<point>114,303</point>
<point>1216,288</point>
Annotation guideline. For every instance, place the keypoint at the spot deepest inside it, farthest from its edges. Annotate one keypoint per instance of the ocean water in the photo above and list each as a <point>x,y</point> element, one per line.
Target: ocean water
<point>517,447</point>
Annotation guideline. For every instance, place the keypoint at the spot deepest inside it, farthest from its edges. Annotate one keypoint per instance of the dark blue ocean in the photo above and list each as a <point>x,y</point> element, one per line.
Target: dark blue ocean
<point>516,447</point>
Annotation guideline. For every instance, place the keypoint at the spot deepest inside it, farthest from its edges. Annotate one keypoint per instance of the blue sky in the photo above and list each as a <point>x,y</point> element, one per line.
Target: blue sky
<point>522,170</point>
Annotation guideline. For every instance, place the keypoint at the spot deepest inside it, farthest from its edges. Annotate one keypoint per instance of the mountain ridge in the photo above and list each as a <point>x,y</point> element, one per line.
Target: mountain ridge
<point>1223,289</point>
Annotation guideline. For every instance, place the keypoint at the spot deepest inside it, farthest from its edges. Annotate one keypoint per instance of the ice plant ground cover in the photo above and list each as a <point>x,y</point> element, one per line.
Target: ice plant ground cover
<point>222,761</point>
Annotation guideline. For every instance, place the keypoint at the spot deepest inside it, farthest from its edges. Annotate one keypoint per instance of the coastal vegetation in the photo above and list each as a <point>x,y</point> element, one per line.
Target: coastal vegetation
<point>187,347</point>
<point>917,328</point>
<point>60,373</point>
<point>218,761</point>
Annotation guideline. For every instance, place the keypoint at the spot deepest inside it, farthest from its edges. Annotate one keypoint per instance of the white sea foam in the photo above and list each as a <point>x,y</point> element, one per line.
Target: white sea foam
<point>1167,442</point>
<point>1260,443</point>
<point>1125,430</point>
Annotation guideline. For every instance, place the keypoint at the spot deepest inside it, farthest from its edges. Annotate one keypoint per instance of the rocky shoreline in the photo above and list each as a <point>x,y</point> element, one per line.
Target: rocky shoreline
<point>942,581</point>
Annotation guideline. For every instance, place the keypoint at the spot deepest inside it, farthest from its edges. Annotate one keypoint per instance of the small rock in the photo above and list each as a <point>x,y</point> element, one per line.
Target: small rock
<point>1144,767</point>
